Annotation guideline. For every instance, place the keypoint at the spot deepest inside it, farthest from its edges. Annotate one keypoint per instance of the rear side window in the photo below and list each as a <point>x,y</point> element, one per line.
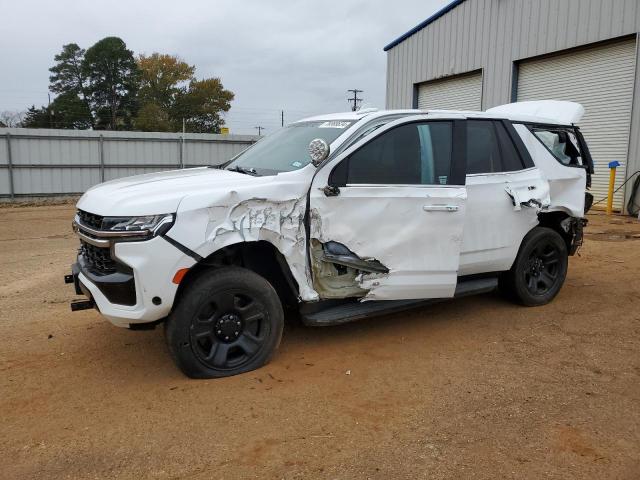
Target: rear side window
<point>562,143</point>
<point>412,154</point>
<point>490,148</point>
<point>483,154</point>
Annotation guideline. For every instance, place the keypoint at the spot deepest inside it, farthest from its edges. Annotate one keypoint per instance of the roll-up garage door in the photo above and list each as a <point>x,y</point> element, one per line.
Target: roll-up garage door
<point>601,79</point>
<point>463,92</point>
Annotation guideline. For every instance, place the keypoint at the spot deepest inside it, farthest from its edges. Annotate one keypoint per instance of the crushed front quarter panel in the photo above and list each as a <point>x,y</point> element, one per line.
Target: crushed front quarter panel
<point>270,209</point>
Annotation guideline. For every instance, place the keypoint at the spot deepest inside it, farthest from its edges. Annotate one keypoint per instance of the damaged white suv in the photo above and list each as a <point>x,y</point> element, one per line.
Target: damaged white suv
<point>342,217</point>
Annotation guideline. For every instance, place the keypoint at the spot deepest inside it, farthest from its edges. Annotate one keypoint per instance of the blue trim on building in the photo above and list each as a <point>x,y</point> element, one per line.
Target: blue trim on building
<point>419,27</point>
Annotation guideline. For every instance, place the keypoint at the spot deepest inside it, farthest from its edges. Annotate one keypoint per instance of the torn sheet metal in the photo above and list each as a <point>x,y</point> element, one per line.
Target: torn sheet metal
<point>566,185</point>
<point>265,208</point>
<point>529,195</point>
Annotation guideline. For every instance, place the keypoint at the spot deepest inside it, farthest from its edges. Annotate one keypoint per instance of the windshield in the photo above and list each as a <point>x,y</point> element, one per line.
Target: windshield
<point>286,149</point>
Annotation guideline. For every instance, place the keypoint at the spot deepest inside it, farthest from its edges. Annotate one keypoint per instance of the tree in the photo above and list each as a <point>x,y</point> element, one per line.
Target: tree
<point>170,93</point>
<point>70,78</point>
<point>67,111</point>
<point>152,118</point>
<point>113,79</point>
<point>37,118</point>
<point>201,105</point>
<point>162,78</point>
<point>11,118</point>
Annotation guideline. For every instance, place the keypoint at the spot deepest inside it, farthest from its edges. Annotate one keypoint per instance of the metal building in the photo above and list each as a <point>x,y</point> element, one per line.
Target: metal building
<point>476,54</point>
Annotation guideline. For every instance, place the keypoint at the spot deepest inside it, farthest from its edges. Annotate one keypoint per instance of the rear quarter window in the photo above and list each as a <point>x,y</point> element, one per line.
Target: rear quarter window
<point>562,143</point>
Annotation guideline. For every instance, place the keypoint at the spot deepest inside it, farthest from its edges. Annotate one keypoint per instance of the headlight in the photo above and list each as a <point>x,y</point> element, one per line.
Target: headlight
<point>147,225</point>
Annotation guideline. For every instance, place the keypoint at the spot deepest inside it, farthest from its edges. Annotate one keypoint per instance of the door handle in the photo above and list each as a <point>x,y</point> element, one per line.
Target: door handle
<point>440,208</point>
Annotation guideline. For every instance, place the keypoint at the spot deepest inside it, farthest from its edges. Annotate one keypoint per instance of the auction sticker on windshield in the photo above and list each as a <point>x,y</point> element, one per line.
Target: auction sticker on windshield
<point>334,124</point>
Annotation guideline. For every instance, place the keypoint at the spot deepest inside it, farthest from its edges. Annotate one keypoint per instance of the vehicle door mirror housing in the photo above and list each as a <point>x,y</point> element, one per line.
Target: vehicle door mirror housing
<point>318,151</point>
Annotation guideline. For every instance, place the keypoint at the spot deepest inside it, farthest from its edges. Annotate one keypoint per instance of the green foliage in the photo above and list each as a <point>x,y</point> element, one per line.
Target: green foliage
<point>162,79</point>
<point>201,105</point>
<point>105,87</point>
<point>67,74</point>
<point>152,118</point>
<point>69,78</point>
<point>164,92</point>
<point>67,111</point>
<point>113,79</point>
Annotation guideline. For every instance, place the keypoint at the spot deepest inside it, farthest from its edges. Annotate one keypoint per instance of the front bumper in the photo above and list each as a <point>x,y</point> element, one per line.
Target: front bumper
<point>142,291</point>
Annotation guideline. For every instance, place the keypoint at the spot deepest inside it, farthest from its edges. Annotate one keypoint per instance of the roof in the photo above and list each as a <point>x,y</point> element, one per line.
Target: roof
<point>420,26</point>
<point>541,111</point>
<point>357,115</point>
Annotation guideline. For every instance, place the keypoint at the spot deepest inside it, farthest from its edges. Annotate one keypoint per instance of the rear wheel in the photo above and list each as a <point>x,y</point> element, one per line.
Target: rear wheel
<point>228,321</point>
<point>539,270</point>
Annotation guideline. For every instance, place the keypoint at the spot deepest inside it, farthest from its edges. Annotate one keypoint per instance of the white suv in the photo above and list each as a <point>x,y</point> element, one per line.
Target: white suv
<point>340,216</point>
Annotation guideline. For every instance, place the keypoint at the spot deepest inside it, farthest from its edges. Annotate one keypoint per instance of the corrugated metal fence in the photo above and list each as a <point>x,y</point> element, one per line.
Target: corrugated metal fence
<point>39,162</point>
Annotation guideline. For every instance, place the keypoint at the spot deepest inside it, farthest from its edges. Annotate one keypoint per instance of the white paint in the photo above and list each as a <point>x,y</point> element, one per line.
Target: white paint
<point>426,235</point>
<point>493,225</point>
<point>153,275</point>
<point>420,246</point>
<point>566,185</point>
<point>555,111</point>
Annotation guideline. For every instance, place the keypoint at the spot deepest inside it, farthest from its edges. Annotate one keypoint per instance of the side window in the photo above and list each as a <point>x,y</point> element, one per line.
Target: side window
<point>511,160</point>
<point>416,153</point>
<point>562,143</point>
<point>490,149</point>
<point>483,153</point>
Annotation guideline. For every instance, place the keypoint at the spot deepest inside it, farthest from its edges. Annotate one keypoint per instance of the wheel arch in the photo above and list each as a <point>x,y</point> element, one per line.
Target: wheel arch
<point>567,226</point>
<point>260,256</point>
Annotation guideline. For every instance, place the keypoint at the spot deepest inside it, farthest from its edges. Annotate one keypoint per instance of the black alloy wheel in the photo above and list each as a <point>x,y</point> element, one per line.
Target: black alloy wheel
<point>543,268</point>
<point>229,330</point>
<point>226,321</point>
<point>539,270</point>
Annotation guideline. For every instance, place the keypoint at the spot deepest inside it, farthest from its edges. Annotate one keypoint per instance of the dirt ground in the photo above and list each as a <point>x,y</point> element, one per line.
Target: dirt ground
<point>475,388</point>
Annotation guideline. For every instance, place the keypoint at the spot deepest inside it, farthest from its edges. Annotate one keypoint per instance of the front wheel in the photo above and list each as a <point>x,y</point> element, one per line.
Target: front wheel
<point>228,321</point>
<point>539,270</point>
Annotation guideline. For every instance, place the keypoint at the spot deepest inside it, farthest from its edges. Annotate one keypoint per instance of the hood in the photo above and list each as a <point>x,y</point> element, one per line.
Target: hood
<point>157,193</point>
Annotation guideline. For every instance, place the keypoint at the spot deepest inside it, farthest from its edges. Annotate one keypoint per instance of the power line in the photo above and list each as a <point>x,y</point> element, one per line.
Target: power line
<point>356,101</point>
<point>260,130</point>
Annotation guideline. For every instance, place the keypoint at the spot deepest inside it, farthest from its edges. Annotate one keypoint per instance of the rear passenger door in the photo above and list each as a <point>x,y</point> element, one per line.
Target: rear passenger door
<point>505,192</point>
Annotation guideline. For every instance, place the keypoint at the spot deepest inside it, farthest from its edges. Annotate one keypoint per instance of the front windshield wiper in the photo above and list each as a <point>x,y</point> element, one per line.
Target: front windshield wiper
<point>245,170</point>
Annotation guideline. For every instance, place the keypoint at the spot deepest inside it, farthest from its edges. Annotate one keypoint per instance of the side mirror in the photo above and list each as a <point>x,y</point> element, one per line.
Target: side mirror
<point>318,151</point>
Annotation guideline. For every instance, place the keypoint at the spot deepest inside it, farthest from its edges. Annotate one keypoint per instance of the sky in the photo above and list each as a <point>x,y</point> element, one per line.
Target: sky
<point>298,56</point>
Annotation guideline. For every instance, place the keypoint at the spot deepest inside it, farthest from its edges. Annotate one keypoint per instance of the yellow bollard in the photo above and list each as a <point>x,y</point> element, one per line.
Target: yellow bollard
<point>612,183</point>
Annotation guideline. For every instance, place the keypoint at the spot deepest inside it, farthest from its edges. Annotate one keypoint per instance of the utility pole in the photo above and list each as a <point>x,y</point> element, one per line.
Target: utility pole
<point>50,112</point>
<point>260,130</point>
<point>356,101</point>
<point>282,118</point>
<point>184,129</point>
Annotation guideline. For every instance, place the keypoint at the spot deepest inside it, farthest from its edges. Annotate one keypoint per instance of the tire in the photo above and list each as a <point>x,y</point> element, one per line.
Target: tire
<point>228,321</point>
<point>539,271</point>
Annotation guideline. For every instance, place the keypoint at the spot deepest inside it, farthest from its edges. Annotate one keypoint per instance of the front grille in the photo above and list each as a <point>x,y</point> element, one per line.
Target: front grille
<point>90,220</point>
<point>98,259</point>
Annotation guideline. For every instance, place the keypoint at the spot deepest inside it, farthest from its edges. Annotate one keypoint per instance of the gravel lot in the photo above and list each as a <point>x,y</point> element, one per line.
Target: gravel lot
<point>476,388</point>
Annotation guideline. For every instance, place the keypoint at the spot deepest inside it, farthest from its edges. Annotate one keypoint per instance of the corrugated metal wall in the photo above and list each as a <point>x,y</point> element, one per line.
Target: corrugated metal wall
<point>600,79</point>
<point>461,92</point>
<point>50,162</point>
<point>493,34</point>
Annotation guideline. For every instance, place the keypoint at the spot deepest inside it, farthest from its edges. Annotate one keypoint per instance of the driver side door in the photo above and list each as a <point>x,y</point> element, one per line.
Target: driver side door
<point>387,214</point>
